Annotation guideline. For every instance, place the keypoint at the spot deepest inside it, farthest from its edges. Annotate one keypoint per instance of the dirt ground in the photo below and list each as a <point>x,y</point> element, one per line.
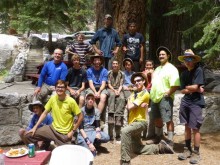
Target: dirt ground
<point>109,154</point>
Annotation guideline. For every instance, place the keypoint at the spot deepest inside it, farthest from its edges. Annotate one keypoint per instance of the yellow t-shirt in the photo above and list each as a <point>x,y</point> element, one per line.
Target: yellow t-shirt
<point>164,77</point>
<point>139,113</point>
<point>63,113</point>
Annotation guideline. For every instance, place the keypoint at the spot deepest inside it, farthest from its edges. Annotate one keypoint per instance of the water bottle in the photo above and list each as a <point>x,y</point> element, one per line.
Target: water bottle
<point>2,156</point>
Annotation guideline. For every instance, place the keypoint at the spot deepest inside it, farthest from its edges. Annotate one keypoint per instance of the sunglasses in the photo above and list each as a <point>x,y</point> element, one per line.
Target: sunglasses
<point>188,59</point>
<point>138,80</point>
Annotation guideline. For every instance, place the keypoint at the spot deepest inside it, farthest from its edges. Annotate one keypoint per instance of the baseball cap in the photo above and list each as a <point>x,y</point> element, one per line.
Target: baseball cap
<point>108,16</point>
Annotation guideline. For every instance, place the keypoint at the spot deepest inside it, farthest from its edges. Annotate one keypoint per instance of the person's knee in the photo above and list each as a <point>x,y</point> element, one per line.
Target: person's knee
<point>21,132</point>
<point>103,98</point>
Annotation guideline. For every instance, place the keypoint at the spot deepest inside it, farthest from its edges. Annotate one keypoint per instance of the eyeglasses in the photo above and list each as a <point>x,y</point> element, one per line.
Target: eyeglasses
<point>188,59</point>
<point>60,87</point>
<point>138,80</point>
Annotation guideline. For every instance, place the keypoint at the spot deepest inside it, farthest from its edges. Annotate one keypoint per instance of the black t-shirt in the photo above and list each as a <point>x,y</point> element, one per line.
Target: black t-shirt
<point>75,77</point>
<point>193,77</point>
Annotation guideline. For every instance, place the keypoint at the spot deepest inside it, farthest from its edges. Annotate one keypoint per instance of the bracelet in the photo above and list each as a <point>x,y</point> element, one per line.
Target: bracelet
<point>87,140</point>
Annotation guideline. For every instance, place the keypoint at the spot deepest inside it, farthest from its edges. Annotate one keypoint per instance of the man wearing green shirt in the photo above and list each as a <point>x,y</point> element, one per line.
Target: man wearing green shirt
<point>165,82</point>
<point>63,109</point>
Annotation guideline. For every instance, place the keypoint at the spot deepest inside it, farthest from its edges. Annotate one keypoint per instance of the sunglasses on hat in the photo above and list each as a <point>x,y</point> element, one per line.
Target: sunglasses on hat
<point>188,59</point>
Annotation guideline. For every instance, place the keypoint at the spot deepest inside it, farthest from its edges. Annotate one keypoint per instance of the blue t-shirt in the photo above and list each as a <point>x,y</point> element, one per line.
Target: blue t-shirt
<point>89,120</point>
<point>47,121</point>
<point>108,38</point>
<point>52,72</point>
<point>133,44</point>
<point>97,76</point>
<point>128,75</point>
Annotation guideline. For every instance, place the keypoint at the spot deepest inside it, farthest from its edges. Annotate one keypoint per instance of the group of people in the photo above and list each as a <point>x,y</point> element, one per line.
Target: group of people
<point>79,96</point>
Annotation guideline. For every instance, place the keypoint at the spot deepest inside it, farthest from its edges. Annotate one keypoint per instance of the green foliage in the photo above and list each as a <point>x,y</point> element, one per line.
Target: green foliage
<point>47,15</point>
<point>4,72</point>
<point>211,39</point>
<point>203,17</point>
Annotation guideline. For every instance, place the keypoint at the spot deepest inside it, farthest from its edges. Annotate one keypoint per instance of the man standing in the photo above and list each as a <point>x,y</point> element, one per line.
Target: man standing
<point>98,77</point>
<point>64,109</point>
<point>51,72</point>
<point>116,100</point>
<point>131,134</point>
<point>109,41</point>
<point>81,48</point>
<point>165,82</point>
<point>133,46</point>
<point>192,81</point>
<point>76,80</point>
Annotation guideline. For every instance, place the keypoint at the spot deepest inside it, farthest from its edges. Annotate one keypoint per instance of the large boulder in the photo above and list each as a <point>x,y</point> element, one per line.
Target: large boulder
<point>8,50</point>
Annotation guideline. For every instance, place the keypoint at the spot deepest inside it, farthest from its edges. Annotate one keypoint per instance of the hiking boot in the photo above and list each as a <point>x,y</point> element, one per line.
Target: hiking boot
<point>186,154</point>
<point>111,119</point>
<point>118,121</point>
<point>164,148</point>
<point>195,157</point>
<point>156,140</point>
<point>125,162</point>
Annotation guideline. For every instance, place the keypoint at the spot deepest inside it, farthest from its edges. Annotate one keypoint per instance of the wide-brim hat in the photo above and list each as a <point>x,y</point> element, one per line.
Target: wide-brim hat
<point>139,74</point>
<point>97,56</point>
<point>164,49</point>
<point>31,105</point>
<point>189,53</point>
<point>128,59</point>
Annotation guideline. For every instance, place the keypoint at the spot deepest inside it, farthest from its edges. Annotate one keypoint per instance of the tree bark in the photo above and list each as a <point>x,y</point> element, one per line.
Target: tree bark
<point>164,31</point>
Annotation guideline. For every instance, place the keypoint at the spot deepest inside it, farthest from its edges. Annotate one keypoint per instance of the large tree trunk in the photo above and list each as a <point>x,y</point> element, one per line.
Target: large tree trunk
<point>164,31</point>
<point>122,11</point>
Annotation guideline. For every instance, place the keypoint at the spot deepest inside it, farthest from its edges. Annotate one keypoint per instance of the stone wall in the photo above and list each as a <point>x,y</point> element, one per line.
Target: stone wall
<point>14,112</point>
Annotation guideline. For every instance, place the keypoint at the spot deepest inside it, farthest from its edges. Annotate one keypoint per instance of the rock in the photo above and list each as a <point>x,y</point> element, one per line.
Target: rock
<point>179,129</point>
<point>36,42</point>
<point>9,135</point>
<point>216,88</point>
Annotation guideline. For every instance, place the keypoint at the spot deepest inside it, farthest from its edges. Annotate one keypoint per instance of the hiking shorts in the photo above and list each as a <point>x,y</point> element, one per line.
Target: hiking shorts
<point>163,109</point>
<point>190,114</point>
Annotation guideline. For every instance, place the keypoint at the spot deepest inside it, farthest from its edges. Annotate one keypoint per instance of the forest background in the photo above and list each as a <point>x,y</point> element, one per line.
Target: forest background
<point>176,24</point>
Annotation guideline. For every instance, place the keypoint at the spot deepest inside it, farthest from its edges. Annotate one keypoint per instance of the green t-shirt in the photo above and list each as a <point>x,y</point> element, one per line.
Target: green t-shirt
<point>63,113</point>
<point>138,113</point>
<point>164,77</point>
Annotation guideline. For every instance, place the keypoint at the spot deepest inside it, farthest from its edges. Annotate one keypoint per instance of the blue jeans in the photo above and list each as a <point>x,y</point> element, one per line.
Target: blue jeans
<point>91,135</point>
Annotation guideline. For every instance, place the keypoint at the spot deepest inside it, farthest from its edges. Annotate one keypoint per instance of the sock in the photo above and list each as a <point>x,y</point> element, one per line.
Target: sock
<point>196,149</point>
<point>170,135</point>
<point>188,144</point>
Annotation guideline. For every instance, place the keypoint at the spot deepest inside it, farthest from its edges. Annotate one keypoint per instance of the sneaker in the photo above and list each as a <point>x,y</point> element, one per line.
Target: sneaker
<point>118,140</point>
<point>164,148</point>
<point>125,162</point>
<point>195,157</point>
<point>156,140</point>
<point>186,154</point>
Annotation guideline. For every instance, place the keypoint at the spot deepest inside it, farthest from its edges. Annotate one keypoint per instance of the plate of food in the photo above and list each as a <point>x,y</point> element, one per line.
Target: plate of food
<point>15,153</point>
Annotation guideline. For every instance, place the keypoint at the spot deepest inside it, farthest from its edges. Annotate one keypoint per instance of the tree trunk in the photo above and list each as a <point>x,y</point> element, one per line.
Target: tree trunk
<point>164,31</point>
